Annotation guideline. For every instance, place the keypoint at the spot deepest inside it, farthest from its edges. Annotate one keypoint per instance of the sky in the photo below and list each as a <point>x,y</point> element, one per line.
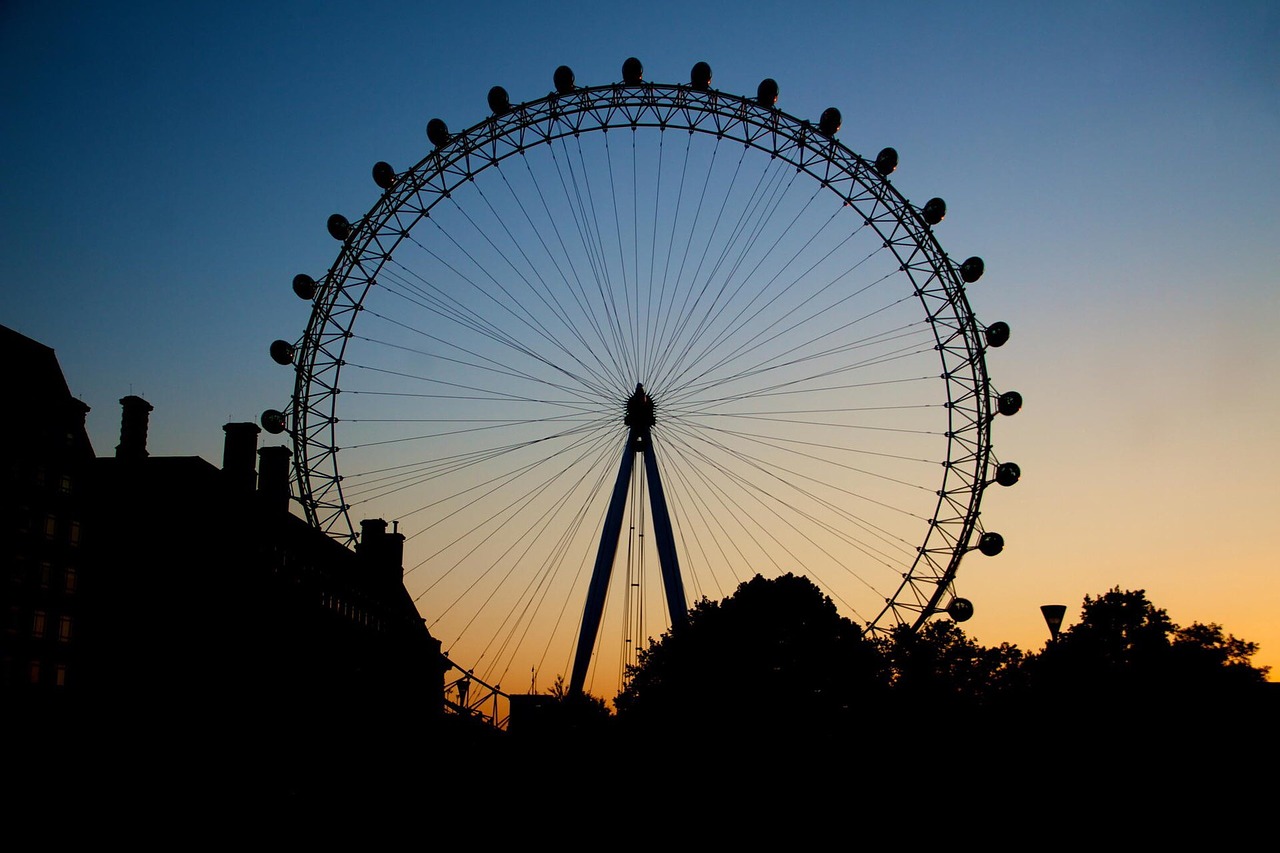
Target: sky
<point>169,168</point>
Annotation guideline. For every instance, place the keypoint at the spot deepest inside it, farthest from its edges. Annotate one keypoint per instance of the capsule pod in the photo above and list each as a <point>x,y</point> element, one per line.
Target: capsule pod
<point>1009,403</point>
<point>960,609</point>
<point>339,227</point>
<point>273,421</point>
<point>991,543</point>
<point>972,269</point>
<point>934,211</point>
<point>767,92</point>
<point>997,334</point>
<point>383,175</point>
<point>563,79</point>
<point>829,122</point>
<point>438,133</point>
<point>632,71</point>
<point>887,161</point>
<point>1008,473</point>
<point>282,352</point>
<point>305,286</point>
<point>700,76</point>
<point>499,101</point>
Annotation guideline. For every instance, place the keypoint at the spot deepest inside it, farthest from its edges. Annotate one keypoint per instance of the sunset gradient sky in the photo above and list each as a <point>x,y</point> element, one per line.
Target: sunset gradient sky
<point>168,168</point>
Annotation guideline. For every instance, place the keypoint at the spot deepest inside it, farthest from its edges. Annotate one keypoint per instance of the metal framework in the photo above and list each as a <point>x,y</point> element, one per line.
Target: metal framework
<point>938,283</point>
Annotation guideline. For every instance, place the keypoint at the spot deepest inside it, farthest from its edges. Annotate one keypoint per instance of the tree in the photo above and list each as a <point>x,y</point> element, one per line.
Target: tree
<point>776,652</point>
<point>1127,658</point>
<point>1204,653</point>
<point>940,663</point>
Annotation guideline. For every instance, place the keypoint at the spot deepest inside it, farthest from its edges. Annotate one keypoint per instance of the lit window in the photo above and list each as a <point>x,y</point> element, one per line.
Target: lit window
<point>64,484</point>
<point>37,624</point>
<point>50,526</point>
<point>70,580</point>
<point>61,676</point>
<point>73,535</point>
<point>64,629</point>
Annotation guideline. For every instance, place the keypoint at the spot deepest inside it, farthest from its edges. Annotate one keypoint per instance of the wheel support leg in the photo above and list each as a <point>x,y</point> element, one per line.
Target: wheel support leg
<point>638,441</point>
<point>604,566</point>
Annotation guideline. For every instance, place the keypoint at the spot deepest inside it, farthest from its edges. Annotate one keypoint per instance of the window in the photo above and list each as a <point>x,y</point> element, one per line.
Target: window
<point>46,574</point>
<point>64,629</point>
<point>50,526</point>
<point>64,484</point>
<point>69,580</point>
<point>61,675</point>
<point>73,535</point>
<point>37,624</point>
<point>33,672</point>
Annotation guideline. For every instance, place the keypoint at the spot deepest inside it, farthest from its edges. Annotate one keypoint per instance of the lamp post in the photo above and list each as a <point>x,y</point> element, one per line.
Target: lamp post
<point>1053,614</point>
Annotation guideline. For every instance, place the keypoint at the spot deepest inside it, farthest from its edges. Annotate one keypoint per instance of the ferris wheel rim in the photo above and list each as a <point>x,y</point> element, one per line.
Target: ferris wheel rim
<point>371,241</point>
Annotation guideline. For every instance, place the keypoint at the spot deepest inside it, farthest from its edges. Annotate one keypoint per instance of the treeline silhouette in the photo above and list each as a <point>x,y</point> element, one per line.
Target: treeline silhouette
<point>775,663</point>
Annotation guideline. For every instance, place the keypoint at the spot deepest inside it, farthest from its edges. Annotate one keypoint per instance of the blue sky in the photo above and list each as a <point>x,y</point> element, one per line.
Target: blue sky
<point>168,168</point>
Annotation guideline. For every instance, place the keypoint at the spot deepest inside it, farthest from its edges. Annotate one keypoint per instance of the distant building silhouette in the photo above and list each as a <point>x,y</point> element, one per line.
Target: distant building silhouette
<point>47,456</point>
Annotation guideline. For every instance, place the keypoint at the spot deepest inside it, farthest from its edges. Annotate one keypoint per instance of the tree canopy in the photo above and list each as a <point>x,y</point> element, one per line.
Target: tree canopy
<point>776,650</point>
<point>1123,641</point>
<point>776,657</point>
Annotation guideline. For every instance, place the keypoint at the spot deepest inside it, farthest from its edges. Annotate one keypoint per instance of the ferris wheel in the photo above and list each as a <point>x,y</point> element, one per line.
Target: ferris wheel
<point>668,272</point>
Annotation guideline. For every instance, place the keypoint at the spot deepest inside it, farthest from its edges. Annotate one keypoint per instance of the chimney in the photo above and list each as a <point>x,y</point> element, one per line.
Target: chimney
<point>381,551</point>
<point>273,479</point>
<point>133,428</point>
<point>238,456</point>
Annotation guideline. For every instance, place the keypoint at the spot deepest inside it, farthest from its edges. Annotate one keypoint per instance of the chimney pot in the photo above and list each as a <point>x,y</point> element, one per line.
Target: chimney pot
<point>239,451</point>
<point>273,478</point>
<point>133,428</point>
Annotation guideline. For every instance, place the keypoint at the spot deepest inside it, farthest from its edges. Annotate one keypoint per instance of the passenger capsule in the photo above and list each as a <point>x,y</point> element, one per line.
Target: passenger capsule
<point>960,609</point>
<point>383,175</point>
<point>934,211</point>
<point>305,286</point>
<point>282,352</point>
<point>499,101</point>
<point>997,334</point>
<point>1009,403</point>
<point>273,421</point>
<point>829,123</point>
<point>632,72</point>
<point>972,269</point>
<point>339,227</point>
<point>991,544</point>
<point>564,79</point>
<point>887,161</point>
<point>438,133</point>
<point>767,93</point>
<point>700,76</point>
<point>1008,473</point>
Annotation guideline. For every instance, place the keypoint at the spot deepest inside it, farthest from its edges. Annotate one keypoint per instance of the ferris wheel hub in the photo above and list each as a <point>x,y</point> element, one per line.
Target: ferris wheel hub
<point>640,411</point>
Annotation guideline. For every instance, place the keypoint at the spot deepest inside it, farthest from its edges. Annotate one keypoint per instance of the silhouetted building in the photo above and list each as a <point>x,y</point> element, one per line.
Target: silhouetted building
<point>220,601</point>
<point>170,603</point>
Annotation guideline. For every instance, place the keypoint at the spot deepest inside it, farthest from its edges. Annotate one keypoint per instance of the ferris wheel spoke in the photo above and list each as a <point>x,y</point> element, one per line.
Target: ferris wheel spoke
<point>788,479</point>
<point>802,524</point>
<point>695,316</point>
<point>719,304</point>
